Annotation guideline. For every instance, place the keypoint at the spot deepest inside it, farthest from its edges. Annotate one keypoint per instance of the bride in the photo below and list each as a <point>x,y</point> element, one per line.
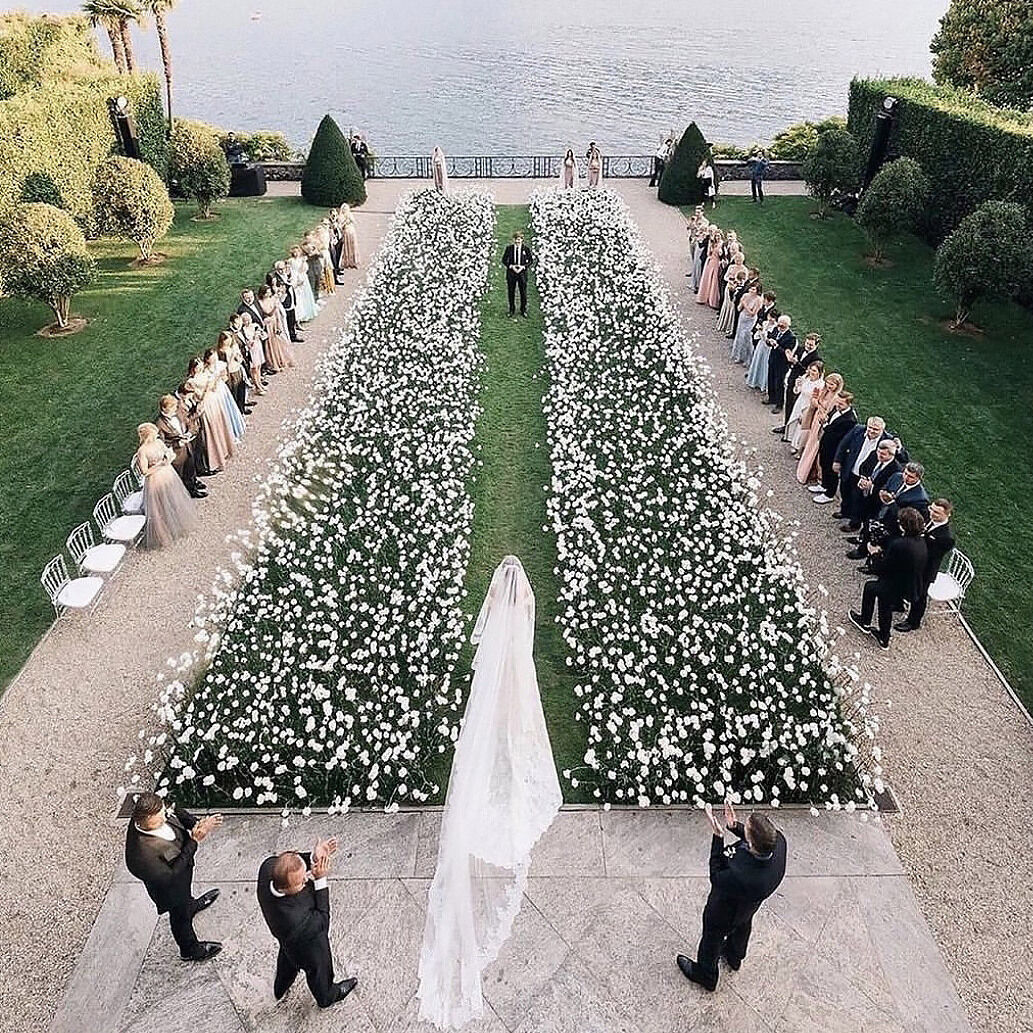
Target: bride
<point>503,793</point>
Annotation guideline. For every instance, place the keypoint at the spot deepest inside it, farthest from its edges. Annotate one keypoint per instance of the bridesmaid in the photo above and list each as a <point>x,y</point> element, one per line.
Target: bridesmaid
<point>349,239</point>
<point>742,346</point>
<point>252,347</point>
<point>757,374</point>
<point>595,166</point>
<point>304,299</point>
<point>167,505</point>
<point>568,170</point>
<point>733,281</point>
<point>811,381</point>
<point>314,271</point>
<point>816,418</point>
<point>218,372</point>
<point>439,170</point>
<point>215,427</point>
<point>323,237</point>
<point>278,354</point>
<point>230,353</point>
<point>699,250</point>
<point>709,292</point>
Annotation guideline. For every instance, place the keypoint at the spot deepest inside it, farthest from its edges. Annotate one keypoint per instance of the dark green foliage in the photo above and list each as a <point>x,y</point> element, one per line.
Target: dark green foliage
<point>988,256</point>
<point>795,142</point>
<point>971,152</point>
<point>987,46</point>
<point>331,176</point>
<point>832,163</point>
<point>197,164</point>
<point>130,201</point>
<point>680,184</point>
<point>261,145</point>
<point>39,187</point>
<point>894,203</point>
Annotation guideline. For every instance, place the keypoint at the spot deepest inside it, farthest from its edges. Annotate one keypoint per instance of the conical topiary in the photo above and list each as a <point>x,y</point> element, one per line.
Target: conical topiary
<point>679,183</point>
<point>331,176</point>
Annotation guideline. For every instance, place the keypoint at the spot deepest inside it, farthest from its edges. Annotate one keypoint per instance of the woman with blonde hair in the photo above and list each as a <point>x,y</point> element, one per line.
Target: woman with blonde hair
<point>805,388</point>
<point>816,418</point>
<point>278,354</point>
<point>167,505</point>
<point>304,300</point>
<point>216,433</point>
<point>349,239</point>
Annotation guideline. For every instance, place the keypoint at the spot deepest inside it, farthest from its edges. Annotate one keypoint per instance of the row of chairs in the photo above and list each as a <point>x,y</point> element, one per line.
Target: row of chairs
<point>120,522</point>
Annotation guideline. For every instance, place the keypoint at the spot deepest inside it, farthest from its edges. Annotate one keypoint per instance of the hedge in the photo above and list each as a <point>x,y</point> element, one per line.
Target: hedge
<point>58,133</point>
<point>37,49</point>
<point>971,151</point>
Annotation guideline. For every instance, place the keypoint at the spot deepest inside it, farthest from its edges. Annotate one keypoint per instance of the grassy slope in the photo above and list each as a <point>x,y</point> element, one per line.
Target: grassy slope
<point>962,405</point>
<point>70,407</point>
<point>509,501</point>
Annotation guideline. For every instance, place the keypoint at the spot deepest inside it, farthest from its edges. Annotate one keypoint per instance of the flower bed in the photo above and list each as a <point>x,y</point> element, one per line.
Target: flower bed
<point>328,668</point>
<point>702,667</point>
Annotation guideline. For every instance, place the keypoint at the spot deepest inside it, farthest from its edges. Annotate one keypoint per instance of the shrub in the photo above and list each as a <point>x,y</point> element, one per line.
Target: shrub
<point>679,183</point>
<point>197,164</point>
<point>131,201</point>
<point>831,164</point>
<point>988,256</point>
<point>971,152</point>
<point>40,187</point>
<point>331,176</point>
<point>731,151</point>
<point>894,203</point>
<point>43,255</point>
<point>35,49</point>
<point>261,145</point>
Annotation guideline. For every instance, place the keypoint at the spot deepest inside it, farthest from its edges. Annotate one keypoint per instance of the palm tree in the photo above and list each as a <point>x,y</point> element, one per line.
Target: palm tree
<point>128,11</point>
<point>159,8</point>
<point>107,13</point>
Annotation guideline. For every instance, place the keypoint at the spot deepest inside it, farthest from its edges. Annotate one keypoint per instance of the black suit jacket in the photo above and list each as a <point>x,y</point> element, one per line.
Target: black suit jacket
<point>740,883</point>
<point>902,568</point>
<point>256,314</point>
<point>834,432</point>
<point>938,542</point>
<point>509,259</point>
<point>803,361</point>
<point>165,868</point>
<point>178,442</point>
<point>300,923</point>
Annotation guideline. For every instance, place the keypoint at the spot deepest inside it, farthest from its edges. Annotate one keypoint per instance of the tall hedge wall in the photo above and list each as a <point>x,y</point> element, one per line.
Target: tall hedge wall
<point>971,151</point>
<point>35,49</point>
<point>61,132</point>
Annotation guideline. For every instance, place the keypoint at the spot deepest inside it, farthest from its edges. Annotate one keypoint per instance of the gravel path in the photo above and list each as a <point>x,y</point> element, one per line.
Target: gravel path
<point>958,752</point>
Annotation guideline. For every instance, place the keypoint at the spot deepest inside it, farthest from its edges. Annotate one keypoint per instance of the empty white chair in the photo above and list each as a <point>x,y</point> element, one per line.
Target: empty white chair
<point>67,593</point>
<point>951,584</point>
<point>90,557</point>
<point>113,526</point>
<point>135,467</point>
<point>129,495</point>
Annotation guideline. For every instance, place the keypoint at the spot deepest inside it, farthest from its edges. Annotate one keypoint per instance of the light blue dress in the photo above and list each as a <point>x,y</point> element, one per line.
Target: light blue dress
<point>237,425</point>
<point>757,374</point>
<point>742,346</point>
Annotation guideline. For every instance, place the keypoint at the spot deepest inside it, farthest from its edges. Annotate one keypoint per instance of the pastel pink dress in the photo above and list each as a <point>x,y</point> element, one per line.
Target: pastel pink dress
<point>709,292</point>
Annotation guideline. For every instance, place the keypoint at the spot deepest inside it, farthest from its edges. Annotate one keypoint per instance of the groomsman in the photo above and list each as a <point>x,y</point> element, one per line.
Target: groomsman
<point>783,352</point>
<point>174,428</point>
<point>160,848</point>
<point>517,258</point>
<point>295,900</point>
<point>802,358</point>
<point>741,879</point>
<point>841,422</point>
<point>939,540</point>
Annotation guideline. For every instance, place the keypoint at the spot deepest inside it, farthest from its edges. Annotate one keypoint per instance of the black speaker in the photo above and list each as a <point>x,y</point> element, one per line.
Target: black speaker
<point>247,181</point>
<point>124,124</point>
<point>884,122</point>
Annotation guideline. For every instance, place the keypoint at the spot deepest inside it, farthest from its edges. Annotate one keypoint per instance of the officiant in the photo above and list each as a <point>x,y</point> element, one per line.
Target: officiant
<point>517,259</point>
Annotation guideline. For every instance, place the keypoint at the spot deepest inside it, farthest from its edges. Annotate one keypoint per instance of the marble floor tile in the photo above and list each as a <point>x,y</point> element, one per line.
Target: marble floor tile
<point>572,846</point>
<point>373,845</point>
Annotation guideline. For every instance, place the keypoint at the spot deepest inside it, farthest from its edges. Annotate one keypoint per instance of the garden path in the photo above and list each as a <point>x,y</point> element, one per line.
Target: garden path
<point>958,752</point>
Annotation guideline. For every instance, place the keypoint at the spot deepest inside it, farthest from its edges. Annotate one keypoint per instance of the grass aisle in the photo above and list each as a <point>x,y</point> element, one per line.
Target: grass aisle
<point>509,503</point>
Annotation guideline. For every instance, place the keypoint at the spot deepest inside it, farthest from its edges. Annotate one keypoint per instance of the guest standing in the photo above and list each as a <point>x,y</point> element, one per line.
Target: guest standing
<point>305,300</point>
<point>568,170</point>
<point>708,181</point>
<point>216,437</point>
<point>349,239</point>
<point>294,896</point>
<point>278,352</point>
<point>812,426</point>
<point>742,345</point>
<point>174,428</point>
<point>758,166</point>
<point>709,292</point>
<point>939,540</point>
<point>160,848</point>
<point>757,374</point>
<point>804,389</point>
<point>842,419</point>
<point>360,152</point>
<point>740,881</point>
<point>594,164</point>
<point>517,259</point>
<point>660,160</point>
<point>439,170</point>
<point>167,504</point>
<point>782,345</point>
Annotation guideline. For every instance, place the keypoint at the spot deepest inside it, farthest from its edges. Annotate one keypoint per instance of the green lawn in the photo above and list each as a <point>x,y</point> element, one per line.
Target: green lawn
<point>509,501</point>
<point>962,405</point>
<point>71,406</point>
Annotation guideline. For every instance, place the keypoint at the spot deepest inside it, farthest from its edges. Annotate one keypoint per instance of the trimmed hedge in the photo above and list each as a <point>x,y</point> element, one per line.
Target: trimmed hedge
<point>60,132</point>
<point>971,151</point>
<point>680,183</point>
<point>197,164</point>
<point>331,177</point>
<point>37,49</point>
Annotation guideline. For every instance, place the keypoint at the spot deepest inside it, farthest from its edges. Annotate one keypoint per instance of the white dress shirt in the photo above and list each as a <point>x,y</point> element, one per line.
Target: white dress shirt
<point>867,448</point>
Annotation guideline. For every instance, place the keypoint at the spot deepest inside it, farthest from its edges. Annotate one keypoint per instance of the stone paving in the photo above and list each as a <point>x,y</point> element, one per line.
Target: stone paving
<point>612,897</point>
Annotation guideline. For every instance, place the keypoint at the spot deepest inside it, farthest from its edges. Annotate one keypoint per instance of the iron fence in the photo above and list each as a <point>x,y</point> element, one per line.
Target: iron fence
<point>510,166</point>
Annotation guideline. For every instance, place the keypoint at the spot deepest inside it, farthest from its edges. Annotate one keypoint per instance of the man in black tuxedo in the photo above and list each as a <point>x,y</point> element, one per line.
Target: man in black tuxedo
<point>175,427</point>
<point>901,568</point>
<point>804,357</point>
<point>939,540</point>
<point>295,900</point>
<point>841,420</point>
<point>279,279</point>
<point>160,848</point>
<point>360,152</point>
<point>517,259</point>
<point>873,475</point>
<point>741,879</point>
<point>904,488</point>
<point>783,351</point>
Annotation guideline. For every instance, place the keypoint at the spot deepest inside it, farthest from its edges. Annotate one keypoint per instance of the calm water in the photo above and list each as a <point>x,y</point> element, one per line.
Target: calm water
<point>522,76</point>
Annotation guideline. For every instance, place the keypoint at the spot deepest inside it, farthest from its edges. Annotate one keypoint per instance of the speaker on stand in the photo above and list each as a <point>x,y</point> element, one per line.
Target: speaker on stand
<point>884,122</point>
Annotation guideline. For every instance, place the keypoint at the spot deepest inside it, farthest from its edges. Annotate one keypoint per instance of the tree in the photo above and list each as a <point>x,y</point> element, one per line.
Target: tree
<point>131,201</point>
<point>331,176</point>
<point>159,8</point>
<point>893,204</point>
<point>108,15</point>
<point>987,46</point>
<point>831,164</point>
<point>128,11</point>
<point>197,165</point>
<point>988,256</point>
<point>680,183</point>
<point>43,255</point>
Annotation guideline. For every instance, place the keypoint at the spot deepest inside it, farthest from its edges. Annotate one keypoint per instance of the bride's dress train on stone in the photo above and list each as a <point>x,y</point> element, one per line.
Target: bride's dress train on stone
<point>503,793</point>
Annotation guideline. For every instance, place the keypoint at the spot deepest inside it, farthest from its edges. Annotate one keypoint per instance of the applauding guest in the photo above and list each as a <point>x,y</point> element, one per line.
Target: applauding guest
<point>939,540</point>
<point>294,896</point>
<point>160,848</point>
<point>741,879</point>
<point>166,503</point>
<point>876,472</point>
<point>782,344</point>
<point>852,453</point>
<point>839,422</point>
<point>174,428</point>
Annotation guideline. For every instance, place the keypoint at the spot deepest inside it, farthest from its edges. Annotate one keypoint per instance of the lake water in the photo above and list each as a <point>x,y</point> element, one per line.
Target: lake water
<point>529,76</point>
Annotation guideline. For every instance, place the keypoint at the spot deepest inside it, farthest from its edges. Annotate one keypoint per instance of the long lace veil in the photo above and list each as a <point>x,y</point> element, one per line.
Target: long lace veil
<point>503,793</point>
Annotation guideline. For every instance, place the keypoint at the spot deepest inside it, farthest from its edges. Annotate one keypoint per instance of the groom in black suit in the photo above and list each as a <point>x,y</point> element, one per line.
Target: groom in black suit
<point>517,258</point>
<point>295,900</point>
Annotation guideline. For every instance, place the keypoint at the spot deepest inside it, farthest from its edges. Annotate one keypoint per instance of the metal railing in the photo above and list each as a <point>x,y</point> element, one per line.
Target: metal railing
<point>510,166</point>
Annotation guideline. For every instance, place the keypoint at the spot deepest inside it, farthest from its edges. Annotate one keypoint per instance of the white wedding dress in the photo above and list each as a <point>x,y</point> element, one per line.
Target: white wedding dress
<point>503,793</point>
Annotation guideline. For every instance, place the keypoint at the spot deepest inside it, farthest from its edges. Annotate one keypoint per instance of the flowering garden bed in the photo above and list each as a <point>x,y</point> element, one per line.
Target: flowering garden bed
<point>327,670</point>
<point>702,666</point>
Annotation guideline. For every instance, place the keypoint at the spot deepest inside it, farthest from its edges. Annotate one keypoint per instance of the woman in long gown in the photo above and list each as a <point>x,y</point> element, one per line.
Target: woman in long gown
<point>734,279</point>
<point>742,345</point>
<point>594,160</point>
<point>439,170</point>
<point>709,182</point>
<point>278,354</point>
<point>568,170</point>
<point>219,373</point>
<point>216,435</point>
<point>324,237</point>
<point>709,292</point>
<point>251,346</point>
<point>314,269</point>
<point>699,251</point>
<point>304,300</point>
<point>167,505</point>
<point>806,385</point>
<point>816,418</point>
<point>349,239</point>
<point>229,352</point>
<point>757,374</point>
